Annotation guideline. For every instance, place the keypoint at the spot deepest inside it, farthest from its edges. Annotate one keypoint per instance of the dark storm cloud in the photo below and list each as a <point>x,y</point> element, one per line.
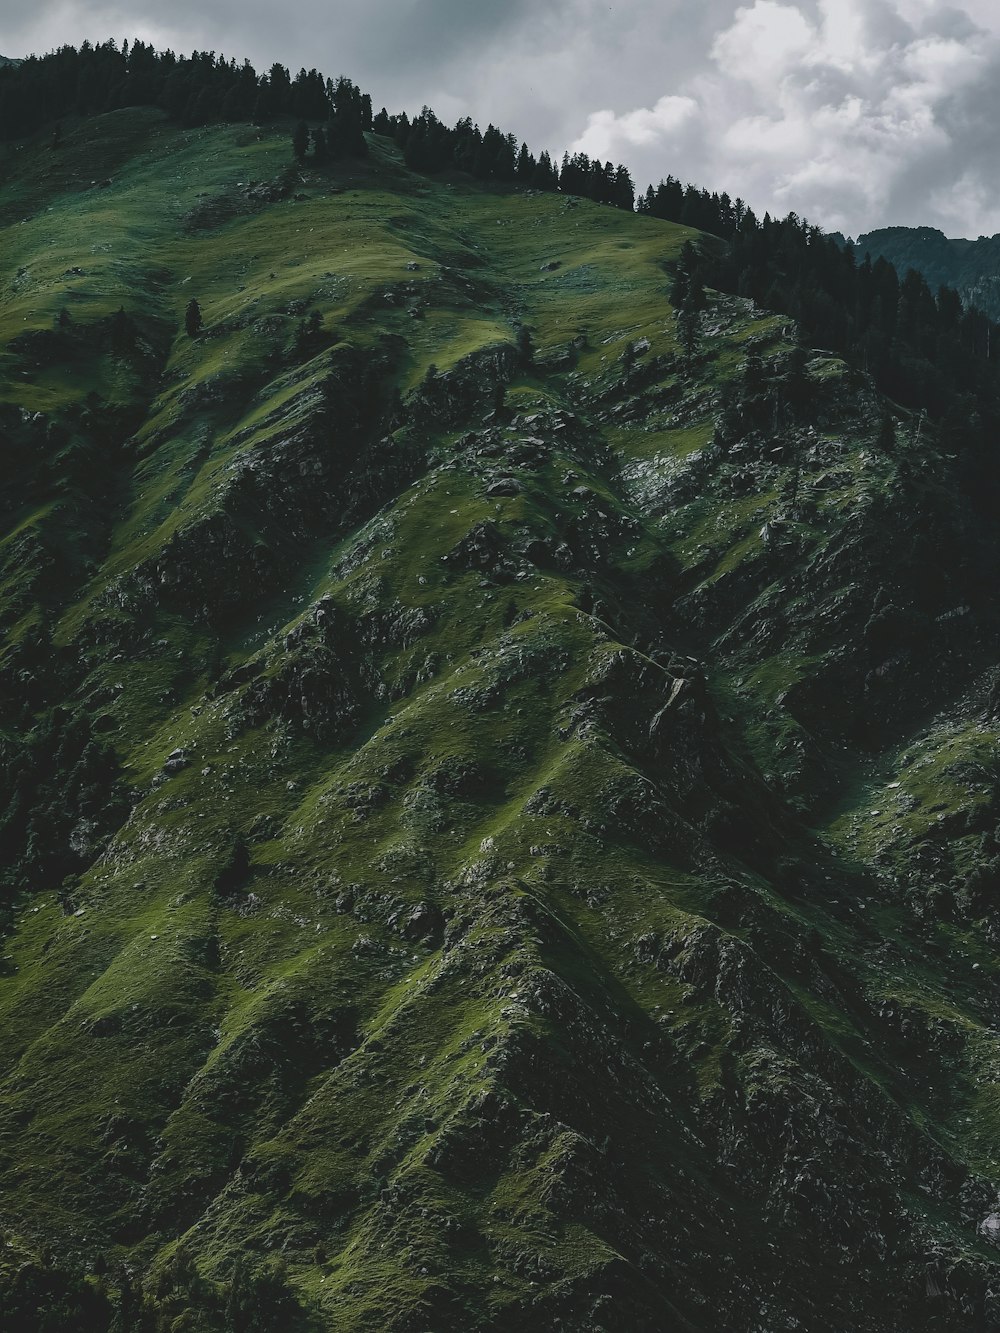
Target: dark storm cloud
<point>855,113</point>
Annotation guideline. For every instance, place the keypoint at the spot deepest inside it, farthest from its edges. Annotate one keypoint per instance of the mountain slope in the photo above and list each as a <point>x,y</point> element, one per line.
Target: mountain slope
<point>500,809</point>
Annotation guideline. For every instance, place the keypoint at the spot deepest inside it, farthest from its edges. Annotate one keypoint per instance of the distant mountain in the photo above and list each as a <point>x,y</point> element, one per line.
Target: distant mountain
<point>971,267</point>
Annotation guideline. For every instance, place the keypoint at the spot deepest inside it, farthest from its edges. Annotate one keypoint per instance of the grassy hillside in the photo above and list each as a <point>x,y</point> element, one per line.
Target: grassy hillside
<point>501,811</point>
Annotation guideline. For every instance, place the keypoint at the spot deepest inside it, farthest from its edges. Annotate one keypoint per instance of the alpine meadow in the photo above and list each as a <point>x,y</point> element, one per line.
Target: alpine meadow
<point>499,718</point>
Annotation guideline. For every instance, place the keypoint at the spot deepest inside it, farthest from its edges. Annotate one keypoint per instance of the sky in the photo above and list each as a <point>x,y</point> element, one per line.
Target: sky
<point>855,114</point>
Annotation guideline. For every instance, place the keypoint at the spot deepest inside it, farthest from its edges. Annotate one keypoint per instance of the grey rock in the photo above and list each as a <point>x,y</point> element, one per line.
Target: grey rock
<point>505,486</point>
<point>176,761</point>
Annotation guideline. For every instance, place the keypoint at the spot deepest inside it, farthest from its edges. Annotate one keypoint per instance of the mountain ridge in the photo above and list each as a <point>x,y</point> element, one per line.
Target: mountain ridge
<point>510,777</point>
<point>972,267</point>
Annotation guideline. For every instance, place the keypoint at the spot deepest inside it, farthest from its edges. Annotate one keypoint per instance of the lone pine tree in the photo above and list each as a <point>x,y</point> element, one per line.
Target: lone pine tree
<point>192,318</point>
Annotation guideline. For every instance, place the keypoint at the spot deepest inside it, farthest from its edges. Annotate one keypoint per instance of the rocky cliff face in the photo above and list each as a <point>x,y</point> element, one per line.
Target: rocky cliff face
<point>500,832</point>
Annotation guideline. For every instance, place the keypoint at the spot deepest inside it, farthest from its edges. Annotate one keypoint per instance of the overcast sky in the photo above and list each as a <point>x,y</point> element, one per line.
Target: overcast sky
<point>854,113</point>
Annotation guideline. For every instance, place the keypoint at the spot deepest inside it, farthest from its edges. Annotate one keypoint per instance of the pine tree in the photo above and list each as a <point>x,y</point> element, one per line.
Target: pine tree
<point>688,288</point>
<point>885,441</point>
<point>122,331</point>
<point>623,190</point>
<point>233,873</point>
<point>544,176</point>
<point>192,318</point>
<point>688,332</point>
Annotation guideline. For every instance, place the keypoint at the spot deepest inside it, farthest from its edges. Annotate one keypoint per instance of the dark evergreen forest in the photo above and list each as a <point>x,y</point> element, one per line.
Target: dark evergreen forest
<point>200,89</point>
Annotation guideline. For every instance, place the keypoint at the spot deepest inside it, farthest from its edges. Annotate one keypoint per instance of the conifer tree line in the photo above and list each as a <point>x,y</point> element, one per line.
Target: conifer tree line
<point>924,350</point>
<point>200,89</point>
<point>430,146</point>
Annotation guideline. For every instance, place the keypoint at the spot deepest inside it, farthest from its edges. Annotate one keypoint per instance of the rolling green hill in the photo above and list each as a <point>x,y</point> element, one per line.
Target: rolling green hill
<point>499,807</point>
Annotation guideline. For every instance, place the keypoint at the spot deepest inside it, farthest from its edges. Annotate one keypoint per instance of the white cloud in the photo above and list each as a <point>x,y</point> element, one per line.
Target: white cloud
<point>855,113</point>
<point>606,133</point>
<point>763,43</point>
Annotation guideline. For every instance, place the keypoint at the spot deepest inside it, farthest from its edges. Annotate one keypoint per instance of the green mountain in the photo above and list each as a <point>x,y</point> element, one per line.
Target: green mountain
<point>499,778</point>
<point>971,267</point>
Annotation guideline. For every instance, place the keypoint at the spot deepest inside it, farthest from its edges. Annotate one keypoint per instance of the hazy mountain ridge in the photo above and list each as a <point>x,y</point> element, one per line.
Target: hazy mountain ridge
<point>522,773</point>
<point>971,267</point>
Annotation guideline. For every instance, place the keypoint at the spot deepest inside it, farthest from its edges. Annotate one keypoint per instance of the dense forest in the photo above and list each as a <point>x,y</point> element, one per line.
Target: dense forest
<point>200,89</point>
